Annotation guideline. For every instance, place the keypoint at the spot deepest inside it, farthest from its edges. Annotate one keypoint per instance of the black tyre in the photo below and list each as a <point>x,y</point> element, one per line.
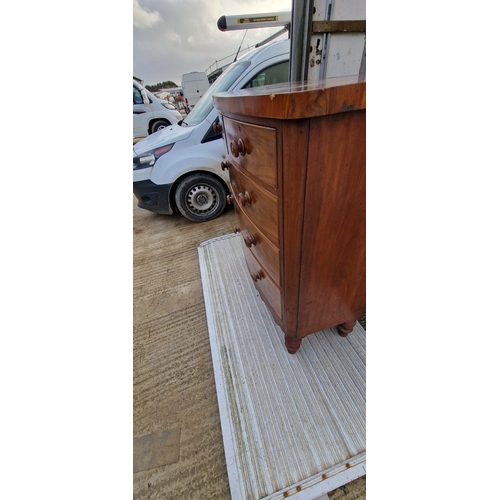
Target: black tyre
<point>159,125</point>
<point>200,197</point>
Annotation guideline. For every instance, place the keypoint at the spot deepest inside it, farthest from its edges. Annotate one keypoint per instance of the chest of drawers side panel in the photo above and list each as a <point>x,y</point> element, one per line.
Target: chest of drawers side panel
<point>333,272</point>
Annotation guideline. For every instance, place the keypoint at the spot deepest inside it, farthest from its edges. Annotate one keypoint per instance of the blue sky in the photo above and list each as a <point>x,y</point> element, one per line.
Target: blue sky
<point>173,37</point>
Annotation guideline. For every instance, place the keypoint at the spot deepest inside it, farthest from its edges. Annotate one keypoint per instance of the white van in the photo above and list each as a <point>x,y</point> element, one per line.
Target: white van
<point>194,86</point>
<point>178,169</point>
<point>150,113</point>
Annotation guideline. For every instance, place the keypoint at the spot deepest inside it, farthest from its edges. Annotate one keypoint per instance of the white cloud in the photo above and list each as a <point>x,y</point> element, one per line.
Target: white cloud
<point>143,18</point>
<point>187,38</point>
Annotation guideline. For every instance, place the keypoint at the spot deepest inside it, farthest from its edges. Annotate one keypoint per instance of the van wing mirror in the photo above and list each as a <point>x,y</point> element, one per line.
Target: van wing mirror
<point>145,98</point>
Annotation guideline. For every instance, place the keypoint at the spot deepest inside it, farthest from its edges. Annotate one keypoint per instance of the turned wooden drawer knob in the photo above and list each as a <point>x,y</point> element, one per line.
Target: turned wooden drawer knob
<point>249,240</point>
<point>245,198</point>
<point>217,127</point>
<point>237,148</point>
<point>224,165</point>
<point>257,276</point>
<point>229,199</point>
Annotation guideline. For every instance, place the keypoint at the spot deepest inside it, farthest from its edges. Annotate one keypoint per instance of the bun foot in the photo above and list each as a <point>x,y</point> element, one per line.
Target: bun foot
<point>346,328</point>
<point>292,344</point>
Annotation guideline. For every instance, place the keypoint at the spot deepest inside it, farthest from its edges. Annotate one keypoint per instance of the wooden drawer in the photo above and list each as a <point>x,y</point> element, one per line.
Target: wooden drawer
<point>260,206</point>
<point>264,284</point>
<point>253,148</point>
<point>265,252</point>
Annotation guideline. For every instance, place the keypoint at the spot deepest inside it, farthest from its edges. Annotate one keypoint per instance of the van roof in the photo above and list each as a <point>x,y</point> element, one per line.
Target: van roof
<point>269,50</point>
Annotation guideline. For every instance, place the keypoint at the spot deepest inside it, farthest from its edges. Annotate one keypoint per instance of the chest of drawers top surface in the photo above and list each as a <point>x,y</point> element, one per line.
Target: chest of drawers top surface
<point>287,101</point>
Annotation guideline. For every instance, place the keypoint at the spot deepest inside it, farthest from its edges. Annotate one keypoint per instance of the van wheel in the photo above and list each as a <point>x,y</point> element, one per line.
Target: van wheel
<point>200,197</point>
<point>159,125</point>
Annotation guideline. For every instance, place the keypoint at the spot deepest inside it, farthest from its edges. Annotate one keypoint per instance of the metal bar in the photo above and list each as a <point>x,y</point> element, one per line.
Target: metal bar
<point>324,49</point>
<point>338,26</point>
<point>272,37</point>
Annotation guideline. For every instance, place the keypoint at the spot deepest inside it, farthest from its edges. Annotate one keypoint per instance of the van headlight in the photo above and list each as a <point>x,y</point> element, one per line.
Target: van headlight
<point>148,159</point>
<point>168,105</point>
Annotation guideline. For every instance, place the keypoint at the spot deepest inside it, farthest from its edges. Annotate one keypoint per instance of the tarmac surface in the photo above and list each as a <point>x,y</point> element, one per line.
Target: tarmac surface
<point>178,447</point>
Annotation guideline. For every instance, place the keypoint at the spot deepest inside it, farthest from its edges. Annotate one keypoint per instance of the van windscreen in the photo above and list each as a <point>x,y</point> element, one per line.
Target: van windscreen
<point>206,104</point>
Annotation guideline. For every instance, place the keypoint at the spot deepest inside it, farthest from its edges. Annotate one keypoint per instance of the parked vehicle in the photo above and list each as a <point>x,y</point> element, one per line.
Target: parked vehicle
<point>194,86</point>
<point>178,169</point>
<point>150,113</point>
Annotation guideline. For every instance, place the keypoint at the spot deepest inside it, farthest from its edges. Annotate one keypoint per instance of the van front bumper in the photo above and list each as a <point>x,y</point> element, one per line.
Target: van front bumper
<point>153,197</point>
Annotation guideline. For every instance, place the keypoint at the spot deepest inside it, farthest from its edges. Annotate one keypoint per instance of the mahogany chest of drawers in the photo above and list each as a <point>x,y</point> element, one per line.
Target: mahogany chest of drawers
<point>296,159</point>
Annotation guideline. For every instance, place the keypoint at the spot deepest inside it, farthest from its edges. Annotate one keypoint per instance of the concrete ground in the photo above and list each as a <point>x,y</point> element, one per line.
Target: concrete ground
<point>178,448</point>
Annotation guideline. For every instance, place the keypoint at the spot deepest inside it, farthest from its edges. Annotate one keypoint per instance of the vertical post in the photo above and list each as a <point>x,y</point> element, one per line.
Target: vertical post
<point>300,37</point>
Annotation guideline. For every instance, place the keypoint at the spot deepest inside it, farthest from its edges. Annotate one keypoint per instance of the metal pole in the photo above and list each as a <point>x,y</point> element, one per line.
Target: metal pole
<point>301,29</point>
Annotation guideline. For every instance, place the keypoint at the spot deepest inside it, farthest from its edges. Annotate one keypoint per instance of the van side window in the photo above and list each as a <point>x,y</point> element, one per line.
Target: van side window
<point>137,96</point>
<point>273,74</point>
